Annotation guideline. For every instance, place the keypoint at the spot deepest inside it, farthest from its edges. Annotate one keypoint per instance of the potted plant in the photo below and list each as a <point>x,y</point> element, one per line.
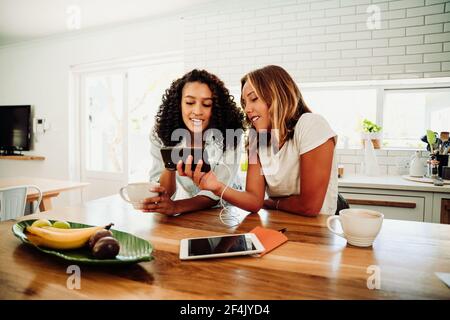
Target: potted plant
<point>372,132</point>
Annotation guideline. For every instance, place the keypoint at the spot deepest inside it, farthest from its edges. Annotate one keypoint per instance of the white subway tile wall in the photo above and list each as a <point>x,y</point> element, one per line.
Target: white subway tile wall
<point>324,40</point>
<point>391,162</point>
<point>320,40</point>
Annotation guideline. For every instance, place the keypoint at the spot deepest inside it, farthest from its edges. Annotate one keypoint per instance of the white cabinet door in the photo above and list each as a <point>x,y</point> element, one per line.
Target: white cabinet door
<point>392,206</point>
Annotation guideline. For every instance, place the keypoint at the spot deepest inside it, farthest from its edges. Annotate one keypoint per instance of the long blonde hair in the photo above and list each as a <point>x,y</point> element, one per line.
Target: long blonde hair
<point>281,94</point>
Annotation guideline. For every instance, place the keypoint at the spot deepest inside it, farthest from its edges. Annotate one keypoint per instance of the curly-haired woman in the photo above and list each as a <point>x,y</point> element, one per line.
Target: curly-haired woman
<point>298,168</point>
<point>196,102</point>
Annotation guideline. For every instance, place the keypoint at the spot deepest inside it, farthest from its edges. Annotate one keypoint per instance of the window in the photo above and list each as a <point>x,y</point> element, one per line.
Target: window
<point>146,86</point>
<point>104,103</point>
<point>116,102</point>
<point>404,109</point>
<point>344,110</point>
<point>107,143</point>
<point>407,114</point>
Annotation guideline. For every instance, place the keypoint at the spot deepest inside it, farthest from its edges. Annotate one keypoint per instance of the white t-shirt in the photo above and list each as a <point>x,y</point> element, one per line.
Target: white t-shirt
<point>282,169</point>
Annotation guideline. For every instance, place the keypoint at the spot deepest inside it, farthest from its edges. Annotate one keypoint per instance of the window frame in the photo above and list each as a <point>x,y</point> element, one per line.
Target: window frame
<point>381,86</point>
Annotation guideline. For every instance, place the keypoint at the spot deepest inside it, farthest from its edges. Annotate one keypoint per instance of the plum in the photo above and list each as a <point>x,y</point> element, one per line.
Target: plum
<point>97,236</point>
<point>106,248</point>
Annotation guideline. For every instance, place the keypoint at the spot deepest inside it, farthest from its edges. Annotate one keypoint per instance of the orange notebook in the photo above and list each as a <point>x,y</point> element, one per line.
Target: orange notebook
<point>269,238</point>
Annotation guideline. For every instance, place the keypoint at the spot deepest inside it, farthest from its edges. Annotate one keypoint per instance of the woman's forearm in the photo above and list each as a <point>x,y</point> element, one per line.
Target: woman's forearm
<point>167,180</point>
<point>242,199</point>
<point>298,205</point>
<point>193,204</point>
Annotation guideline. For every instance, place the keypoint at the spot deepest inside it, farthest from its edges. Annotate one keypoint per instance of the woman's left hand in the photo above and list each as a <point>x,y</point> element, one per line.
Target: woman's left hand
<point>205,181</point>
<point>161,204</point>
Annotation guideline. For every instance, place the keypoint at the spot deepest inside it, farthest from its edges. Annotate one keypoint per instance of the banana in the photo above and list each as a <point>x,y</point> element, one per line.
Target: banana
<point>67,230</point>
<point>61,238</point>
<point>66,245</point>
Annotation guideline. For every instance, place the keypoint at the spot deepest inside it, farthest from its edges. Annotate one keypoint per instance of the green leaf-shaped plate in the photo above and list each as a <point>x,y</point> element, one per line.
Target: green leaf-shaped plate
<point>132,248</point>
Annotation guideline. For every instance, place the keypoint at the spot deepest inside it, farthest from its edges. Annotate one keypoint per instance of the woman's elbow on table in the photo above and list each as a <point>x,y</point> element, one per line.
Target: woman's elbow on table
<point>312,212</point>
<point>309,212</point>
<point>309,208</point>
<point>255,206</point>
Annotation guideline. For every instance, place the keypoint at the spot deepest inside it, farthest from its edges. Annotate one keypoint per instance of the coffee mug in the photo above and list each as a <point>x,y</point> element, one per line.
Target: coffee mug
<point>135,192</point>
<point>360,226</point>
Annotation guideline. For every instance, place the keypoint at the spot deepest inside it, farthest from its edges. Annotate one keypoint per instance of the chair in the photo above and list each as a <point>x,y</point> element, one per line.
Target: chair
<point>341,204</point>
<point>13,201</point>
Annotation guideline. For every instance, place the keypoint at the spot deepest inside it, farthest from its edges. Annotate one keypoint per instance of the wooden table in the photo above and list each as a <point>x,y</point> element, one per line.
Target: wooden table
<point>313,264</point>
<point>50,188</point>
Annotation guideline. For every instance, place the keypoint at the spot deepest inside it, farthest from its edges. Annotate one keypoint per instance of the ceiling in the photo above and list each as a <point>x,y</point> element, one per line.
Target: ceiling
<point>23,20</point>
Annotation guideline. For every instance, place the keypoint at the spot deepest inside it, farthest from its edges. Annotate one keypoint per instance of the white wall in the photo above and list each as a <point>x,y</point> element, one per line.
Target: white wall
<point>37,73</point>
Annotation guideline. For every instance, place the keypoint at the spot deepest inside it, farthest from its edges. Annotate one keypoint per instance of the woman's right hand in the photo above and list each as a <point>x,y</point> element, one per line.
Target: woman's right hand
<point>161,203</point>
<point>205,181</point>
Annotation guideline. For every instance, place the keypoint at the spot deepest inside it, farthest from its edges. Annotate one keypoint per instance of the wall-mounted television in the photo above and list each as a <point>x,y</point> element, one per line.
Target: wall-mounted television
<point>15,129</point>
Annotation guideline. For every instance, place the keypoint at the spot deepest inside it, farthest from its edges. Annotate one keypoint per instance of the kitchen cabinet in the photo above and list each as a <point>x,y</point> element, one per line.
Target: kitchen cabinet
<point>392,206</point>
<point>445,211</point>
<point>399,205</point>
<point>441,208</point>
<point>397,198</point>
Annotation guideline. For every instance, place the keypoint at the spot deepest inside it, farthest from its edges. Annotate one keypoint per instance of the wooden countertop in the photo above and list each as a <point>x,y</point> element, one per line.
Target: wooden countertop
<point>313,264</point>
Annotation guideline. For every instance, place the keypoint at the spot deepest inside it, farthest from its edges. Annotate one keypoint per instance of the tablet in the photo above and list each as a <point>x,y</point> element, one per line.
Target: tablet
<point>171,156</point>
<point>220,246</point>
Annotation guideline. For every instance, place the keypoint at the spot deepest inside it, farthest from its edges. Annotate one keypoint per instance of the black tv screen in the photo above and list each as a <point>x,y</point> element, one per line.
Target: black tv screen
<point>15,128</point>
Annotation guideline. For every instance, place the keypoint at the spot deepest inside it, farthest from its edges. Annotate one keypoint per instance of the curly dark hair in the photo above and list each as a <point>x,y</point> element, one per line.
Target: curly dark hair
<point>225,113</point>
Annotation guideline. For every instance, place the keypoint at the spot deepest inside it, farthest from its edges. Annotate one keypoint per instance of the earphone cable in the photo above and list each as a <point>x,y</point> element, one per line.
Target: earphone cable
<point>226,216</point>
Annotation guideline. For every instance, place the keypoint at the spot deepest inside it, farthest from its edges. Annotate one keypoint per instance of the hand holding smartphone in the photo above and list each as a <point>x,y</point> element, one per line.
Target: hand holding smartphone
<point>171,156</point>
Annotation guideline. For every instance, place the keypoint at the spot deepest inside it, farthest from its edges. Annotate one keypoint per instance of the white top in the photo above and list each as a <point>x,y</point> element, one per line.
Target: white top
<point>282,169</point>
<point>186,188</point>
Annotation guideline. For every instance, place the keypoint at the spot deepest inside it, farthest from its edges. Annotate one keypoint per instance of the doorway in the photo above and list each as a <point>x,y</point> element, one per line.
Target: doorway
<point>117,105</point>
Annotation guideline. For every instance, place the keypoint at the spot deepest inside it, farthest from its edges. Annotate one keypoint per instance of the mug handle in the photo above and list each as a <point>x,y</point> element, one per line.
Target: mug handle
<point>123,195</point>
<point>340,234</point>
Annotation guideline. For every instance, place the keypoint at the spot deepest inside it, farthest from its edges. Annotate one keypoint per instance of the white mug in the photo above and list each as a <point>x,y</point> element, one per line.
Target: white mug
<point>135,192</point>
<point>360,226</point>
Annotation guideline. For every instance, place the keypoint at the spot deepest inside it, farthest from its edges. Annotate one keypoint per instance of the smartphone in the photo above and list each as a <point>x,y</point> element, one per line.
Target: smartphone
<point>171,156</point>
<point>220,246</point>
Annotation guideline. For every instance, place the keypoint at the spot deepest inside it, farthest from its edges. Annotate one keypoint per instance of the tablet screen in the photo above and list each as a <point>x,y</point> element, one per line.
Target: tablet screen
<point>205,246</point>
